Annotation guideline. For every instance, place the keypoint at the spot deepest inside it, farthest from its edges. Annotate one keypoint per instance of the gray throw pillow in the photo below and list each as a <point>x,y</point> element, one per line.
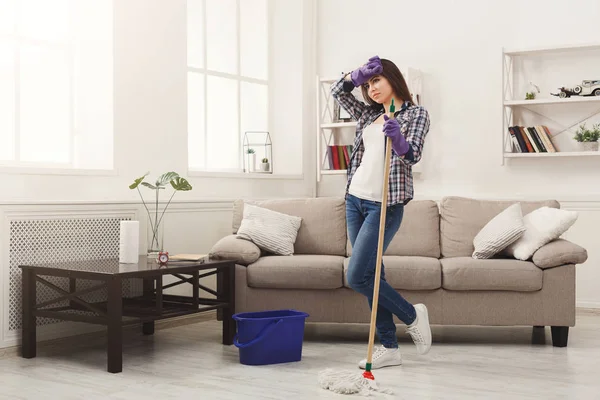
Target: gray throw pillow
<point>501,231</point>
<point>270,230</point>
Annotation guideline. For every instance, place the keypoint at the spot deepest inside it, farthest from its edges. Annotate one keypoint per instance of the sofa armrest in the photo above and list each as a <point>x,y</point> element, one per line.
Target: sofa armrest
<point>559,252</point>
<point>231,247</point>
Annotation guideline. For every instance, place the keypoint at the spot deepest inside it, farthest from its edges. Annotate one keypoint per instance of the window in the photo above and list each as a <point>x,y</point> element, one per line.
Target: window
<point>227,64</point>
<point>56,84</point>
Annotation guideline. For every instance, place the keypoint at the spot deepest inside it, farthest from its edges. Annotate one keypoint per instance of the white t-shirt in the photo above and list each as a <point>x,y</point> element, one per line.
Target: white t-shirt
<point>367,182</point>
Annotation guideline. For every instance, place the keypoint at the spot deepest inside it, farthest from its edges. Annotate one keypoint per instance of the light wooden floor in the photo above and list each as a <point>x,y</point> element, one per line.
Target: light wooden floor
<point>188,362</point>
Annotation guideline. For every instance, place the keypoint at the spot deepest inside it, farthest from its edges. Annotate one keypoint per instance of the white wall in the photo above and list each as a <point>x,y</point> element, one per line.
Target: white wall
<point>286,93</point>
<point>458,46</point>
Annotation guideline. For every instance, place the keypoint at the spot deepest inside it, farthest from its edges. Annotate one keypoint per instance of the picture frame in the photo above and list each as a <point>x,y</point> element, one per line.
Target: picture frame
<point>340,114</point>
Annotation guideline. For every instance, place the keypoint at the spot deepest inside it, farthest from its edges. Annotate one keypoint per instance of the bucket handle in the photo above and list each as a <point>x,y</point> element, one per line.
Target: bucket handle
<point>261,335</point>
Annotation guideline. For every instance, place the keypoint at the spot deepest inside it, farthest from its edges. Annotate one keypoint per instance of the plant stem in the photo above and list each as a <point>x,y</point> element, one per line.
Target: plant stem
<point>165,209</point>
<point>155,236</point>
<point>147,210</point>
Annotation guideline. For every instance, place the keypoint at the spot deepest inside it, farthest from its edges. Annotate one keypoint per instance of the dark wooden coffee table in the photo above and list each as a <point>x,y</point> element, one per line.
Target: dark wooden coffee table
<point>118,311</point>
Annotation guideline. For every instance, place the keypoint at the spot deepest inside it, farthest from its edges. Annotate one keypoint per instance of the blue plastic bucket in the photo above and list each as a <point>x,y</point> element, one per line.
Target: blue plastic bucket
<point>269,337</point>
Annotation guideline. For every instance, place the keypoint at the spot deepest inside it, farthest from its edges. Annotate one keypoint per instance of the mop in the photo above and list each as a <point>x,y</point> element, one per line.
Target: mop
<point>351,382</point>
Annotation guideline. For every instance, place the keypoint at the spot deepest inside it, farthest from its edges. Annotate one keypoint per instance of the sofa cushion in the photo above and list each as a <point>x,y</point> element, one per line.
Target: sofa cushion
<point>419,233</point>
<point>559,252</point>
<point>462,218</point>
<point>408,272</point>
<point>306,271</point>
<point>467,273</point>
<point>323,228</point>
<point>233,248</point>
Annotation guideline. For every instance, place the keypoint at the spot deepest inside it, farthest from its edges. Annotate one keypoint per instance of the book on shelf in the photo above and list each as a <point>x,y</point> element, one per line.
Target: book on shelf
<point>339,156</point>
<point>532,139</point>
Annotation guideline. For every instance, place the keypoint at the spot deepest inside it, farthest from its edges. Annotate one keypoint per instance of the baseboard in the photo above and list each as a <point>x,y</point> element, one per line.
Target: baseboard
<point>588,305</point>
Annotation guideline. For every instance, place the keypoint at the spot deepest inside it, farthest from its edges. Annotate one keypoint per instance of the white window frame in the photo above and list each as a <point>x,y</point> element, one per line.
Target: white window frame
<point>239,79</point>
<point>54,168</point>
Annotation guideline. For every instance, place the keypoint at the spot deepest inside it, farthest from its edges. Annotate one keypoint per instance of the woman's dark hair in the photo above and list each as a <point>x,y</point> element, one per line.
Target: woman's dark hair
<point>394,76</point>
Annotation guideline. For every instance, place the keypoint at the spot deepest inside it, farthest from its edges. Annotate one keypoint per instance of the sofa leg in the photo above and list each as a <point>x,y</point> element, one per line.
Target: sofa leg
<point>560,335</point>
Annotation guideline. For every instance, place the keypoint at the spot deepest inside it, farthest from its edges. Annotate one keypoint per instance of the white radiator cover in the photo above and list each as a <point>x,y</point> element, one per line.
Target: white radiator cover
<point>55,240</point>
<point>61,235</point>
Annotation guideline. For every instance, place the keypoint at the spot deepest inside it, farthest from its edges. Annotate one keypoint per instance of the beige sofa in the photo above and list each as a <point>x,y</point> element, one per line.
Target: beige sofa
<point>429,261</point>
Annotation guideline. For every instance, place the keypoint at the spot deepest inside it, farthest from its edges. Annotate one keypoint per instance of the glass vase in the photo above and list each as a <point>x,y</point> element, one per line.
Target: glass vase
<point>156,234</point>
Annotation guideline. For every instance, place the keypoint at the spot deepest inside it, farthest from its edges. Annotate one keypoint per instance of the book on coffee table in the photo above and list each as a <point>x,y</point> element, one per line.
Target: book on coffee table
<point>189,257</point>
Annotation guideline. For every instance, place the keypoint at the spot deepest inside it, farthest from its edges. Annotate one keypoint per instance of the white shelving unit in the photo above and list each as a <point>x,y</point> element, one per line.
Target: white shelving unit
<point>328,129</point>
<point>545,107</point>
<point>557,154</point>
<point>552,101</point>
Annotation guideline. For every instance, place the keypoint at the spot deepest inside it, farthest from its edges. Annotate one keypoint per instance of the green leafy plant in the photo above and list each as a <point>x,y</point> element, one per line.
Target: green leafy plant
<point>587,135</point>
<point>250,151</point>
<point>178,183</point>
<point>534,89</point>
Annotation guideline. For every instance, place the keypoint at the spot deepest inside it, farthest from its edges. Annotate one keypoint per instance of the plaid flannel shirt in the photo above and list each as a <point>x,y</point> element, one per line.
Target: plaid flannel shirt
<point>414,125</point>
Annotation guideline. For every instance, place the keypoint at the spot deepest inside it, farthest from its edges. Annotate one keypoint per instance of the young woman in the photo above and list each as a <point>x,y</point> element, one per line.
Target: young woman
<point>380,81</point>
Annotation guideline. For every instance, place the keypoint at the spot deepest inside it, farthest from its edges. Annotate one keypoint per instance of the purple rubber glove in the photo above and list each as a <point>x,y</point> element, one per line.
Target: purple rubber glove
<point>370,69</point>
<point>391,129</point>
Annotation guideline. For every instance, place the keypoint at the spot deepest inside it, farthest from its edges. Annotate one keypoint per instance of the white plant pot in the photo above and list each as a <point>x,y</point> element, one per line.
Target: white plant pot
<point>589,146</point>
<point>264,167</point>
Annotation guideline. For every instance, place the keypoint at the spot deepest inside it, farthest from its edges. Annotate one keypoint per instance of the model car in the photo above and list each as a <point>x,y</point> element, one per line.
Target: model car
<point>564,92</point>
<point>587,88</point>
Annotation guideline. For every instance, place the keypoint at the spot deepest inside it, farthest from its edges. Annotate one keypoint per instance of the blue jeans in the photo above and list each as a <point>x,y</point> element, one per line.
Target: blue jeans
<point>362,217</point>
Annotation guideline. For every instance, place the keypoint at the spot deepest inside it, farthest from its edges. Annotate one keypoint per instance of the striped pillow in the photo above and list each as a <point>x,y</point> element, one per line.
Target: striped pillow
<point>504,229</point>
<point>270,230</point>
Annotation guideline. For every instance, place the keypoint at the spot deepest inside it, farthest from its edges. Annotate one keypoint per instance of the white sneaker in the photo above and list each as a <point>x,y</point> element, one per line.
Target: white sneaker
<point>420,330</point>
<point>383,357</point>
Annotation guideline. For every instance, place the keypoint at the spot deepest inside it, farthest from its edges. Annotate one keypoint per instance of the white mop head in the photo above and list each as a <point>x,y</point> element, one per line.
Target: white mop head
<point>345,382</point>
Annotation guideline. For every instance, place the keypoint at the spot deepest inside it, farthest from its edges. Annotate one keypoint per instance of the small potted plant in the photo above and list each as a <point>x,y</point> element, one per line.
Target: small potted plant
<point>531,95</point>
<point>264,166</point>
<point>588,138</point>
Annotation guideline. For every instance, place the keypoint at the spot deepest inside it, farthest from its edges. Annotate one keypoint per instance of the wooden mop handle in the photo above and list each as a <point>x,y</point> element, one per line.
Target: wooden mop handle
<point>384,198</point>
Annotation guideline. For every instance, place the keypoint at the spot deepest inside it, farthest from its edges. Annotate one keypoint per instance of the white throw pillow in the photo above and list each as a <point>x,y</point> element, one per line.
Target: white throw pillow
<point>542,226</point>
<point>499,232</point>
<point>270,230</point>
